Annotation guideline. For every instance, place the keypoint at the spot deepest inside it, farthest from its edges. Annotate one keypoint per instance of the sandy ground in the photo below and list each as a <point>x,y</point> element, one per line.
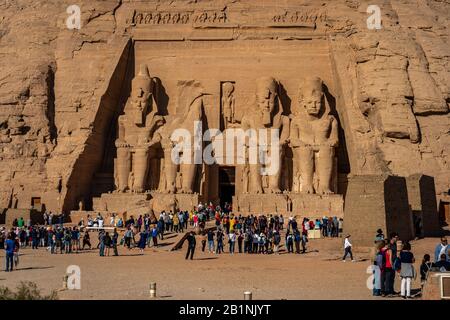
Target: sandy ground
<point>318,274</point>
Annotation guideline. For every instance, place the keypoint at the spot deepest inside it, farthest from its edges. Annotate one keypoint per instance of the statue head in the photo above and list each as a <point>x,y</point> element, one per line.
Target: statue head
<point>141,92</point>
<point>266,94</point>
<point>311,96</point>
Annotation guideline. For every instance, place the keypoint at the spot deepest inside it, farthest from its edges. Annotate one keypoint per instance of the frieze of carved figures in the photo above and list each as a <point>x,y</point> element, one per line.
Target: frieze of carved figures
<point>138,131</point>
<point>184,17</point>
<point>266,113</point>
<point>313,138</point>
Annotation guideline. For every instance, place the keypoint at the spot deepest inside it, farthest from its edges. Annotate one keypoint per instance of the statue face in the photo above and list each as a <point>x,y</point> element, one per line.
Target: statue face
<point>141,105</point>
<point>311,96</point>
<point>266,100</point>
<point>266,94</point>
<point>313,103</point>
<point>228,89</point>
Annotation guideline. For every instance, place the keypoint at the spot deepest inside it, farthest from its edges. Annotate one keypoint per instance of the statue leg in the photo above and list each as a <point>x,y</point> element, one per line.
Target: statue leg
<point>140,169</point>
<point>188,172</point>
<point>170,172</point>
<point>325,169</point>
<point>123,168</point>
<point>306,166</point>
<point>274,178</point>
<point>255,184</point>
<point>296,170</point>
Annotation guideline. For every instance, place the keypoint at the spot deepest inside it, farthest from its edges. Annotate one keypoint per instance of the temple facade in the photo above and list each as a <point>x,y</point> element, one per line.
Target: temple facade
<point>349,121</point>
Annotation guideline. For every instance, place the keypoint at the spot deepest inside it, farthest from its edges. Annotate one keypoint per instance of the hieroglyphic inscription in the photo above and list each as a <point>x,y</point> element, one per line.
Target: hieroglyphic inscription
<point>307,16</point>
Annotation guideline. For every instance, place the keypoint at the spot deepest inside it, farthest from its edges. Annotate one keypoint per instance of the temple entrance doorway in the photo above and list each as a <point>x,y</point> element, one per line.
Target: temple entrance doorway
<point>227,176</point>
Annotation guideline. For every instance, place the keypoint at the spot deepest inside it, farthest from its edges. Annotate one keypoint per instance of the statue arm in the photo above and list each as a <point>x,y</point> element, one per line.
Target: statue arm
<point>285,133</point>
<point>232,107</point>
<point>293,133</point>
<point>334,134</point>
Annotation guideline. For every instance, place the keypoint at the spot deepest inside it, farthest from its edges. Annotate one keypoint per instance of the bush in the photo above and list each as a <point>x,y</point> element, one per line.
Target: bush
<point>26,290</point>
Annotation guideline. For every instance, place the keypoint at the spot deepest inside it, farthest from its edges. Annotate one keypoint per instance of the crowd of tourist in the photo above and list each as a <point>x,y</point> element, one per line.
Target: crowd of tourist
<point>389,260</point>
<point>220,231</point>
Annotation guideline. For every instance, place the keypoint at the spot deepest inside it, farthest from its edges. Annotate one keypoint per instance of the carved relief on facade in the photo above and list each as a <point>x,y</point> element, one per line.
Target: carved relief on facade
<point>228,103</point>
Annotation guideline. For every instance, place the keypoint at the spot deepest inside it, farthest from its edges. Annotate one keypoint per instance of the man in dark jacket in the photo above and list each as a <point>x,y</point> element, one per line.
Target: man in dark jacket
<point>191,245</point>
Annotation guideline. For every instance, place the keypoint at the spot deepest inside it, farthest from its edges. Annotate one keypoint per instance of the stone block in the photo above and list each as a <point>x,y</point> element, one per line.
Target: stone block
<point>35,216</point>
<point>247,204</point>
<point>316,206</point>
<point>422,199</point>
<point>121,202</point>
<point>377,202</point>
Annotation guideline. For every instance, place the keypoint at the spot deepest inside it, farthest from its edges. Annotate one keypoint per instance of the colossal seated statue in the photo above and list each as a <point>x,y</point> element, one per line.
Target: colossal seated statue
<point>138,131</point>
<point>313,137</point>
<point>266,114</point>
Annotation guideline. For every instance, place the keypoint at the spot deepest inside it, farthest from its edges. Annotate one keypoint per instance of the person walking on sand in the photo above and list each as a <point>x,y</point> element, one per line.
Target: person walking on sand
<point>347,248</point>
<point>191,245</point>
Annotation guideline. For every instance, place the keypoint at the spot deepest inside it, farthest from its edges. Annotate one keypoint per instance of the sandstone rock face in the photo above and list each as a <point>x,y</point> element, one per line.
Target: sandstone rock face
<point>62,91</point>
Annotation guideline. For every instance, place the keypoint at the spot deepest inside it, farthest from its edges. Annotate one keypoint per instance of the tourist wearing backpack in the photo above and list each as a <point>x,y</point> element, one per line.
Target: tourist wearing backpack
<point>425,267</point>
<point>262,243</point>
<point>290,243</point>
<point>407,272</point>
